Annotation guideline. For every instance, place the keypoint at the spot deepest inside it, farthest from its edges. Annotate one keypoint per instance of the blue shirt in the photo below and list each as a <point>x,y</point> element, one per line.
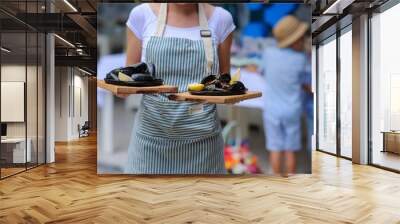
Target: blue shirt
<point>283,70</point>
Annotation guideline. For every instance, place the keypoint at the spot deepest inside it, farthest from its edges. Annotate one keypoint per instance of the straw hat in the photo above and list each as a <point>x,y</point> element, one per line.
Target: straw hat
<point>288,30</point>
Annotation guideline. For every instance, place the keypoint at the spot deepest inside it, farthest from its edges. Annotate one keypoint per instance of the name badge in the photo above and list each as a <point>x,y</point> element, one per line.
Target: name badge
<point>197,108</point>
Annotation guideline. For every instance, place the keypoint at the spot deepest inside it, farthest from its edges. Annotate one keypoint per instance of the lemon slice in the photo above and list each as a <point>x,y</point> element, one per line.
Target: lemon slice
<point>235,77</point>
<point>195,87</point>
<point>123,77</point>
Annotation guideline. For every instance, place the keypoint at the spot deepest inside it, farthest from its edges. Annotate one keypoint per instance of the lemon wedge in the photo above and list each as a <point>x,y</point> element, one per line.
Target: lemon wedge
<point>195,87</point>
<point>235,77</point>
<point>123,77</point>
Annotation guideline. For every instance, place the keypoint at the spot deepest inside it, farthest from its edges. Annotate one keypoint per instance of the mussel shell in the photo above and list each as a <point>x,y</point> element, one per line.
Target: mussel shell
<point>142,77</point>
<point>224,78</point>
<point>208,79</point>
<point>238,87</point>
<point>139,68</point>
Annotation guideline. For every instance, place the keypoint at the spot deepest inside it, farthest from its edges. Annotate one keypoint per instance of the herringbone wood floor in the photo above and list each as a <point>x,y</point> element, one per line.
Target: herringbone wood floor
<point>70,191</point>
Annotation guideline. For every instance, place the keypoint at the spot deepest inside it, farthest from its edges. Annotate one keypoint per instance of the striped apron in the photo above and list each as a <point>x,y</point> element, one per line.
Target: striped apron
<point>171,137</point>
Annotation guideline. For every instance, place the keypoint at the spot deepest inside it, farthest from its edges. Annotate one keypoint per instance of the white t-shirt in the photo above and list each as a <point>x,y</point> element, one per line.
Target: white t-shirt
<point>143,22</point>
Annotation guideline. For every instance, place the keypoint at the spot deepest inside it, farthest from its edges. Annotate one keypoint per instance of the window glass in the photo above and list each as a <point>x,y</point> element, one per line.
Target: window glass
<point>346,94</point>
<point>41,79</point>
<point>22,89</point>
<point>385,84</point>
<point>327,97</point>
<point>15,150</point>
<point>31,97</point>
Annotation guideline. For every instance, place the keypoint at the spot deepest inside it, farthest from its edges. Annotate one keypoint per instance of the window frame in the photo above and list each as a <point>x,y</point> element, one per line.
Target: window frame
<point>347,27</point>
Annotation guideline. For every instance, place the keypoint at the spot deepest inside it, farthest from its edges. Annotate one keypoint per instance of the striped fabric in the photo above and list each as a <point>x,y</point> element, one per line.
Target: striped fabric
<point>154,155</point>
<point>179,62</point>
<point>172,137</point>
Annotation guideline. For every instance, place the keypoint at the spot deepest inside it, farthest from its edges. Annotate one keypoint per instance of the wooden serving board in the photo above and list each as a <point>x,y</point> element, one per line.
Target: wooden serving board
<point>116,89</point>
<point>186,96</point>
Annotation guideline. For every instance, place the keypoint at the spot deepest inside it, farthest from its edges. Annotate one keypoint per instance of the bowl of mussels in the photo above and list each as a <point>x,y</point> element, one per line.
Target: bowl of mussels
<point>218,85</point>
<point>140,75</point>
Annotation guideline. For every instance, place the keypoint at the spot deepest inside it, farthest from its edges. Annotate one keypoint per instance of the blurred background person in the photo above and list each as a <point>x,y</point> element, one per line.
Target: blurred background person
<point>283,68</point>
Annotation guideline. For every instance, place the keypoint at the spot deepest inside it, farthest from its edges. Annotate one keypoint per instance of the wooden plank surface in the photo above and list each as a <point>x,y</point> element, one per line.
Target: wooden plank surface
<point>70,191</point>
<point>115,89</point>
<point>186,96</point>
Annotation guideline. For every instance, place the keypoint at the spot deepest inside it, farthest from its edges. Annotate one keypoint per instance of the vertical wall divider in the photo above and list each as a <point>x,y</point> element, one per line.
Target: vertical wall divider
<point>69,91</point>
<point>80,102</point>
<point>44,80</point>
<point>73,92</point>
<point>338,98</point>
<point>60,88</point>
<point>37,89</point>
<point>26,86</point>
<point>369,96</point>
<point>360,90</point>
<point>317,97</point>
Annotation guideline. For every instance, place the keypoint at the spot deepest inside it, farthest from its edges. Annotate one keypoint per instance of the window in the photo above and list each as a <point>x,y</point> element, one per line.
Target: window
<point>22,101</point>
<point>346,93</point>
<point>327,96</point>
<point>385,89</point>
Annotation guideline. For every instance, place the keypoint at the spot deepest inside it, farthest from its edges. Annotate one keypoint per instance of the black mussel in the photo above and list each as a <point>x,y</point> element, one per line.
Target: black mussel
<point>142,77</point>
<point>224,78</point>
<point>209,80</point>
<point>139,68</point>
<point>238,87</point>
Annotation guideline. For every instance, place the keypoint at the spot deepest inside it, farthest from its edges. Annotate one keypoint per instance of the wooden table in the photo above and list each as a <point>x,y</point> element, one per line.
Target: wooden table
<point>391,141</point>
<point>116,89</point>
<point>186,96</point>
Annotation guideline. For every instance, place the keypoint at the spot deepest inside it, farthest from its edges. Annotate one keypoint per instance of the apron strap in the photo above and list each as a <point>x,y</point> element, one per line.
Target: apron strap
<point>162,19</point>
<point>205,33</point>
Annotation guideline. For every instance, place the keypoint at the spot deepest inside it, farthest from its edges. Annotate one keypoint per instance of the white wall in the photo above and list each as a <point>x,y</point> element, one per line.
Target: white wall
<point>16,73</point>
<point>61,103</point>
<point>71,93</point>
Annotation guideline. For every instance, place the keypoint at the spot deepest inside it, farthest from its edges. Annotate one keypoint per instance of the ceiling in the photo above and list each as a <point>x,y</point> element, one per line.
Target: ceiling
<point>74,22</point>
<point>332,15</point>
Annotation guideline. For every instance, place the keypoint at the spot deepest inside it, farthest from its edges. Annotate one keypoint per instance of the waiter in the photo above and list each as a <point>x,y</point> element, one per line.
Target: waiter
<point>186,42</point>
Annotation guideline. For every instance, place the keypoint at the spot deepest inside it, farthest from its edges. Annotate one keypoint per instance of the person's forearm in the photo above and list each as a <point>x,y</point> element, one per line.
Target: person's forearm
<point>224,53</point>
<point>133,48</point>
